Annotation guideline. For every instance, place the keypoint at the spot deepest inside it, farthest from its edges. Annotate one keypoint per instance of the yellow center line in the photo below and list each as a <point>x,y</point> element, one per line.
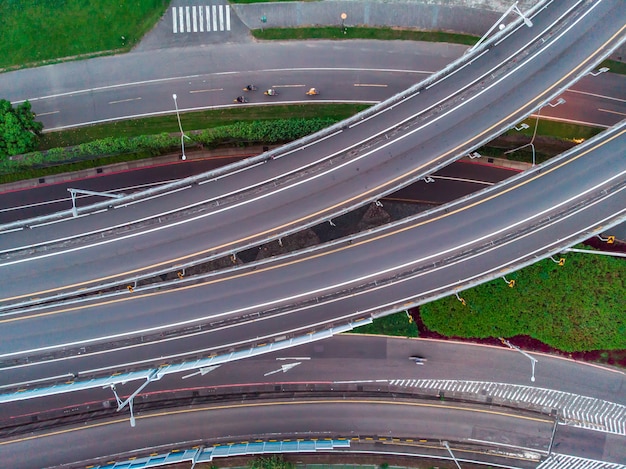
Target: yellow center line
<point>320,213</point>
<point>167,413</point>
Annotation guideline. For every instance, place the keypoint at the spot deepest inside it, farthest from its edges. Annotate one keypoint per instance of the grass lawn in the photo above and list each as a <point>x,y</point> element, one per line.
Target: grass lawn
<point>397,324</point>
<point>334,32</point>
<point>577,307</point>
<point>40,30</point>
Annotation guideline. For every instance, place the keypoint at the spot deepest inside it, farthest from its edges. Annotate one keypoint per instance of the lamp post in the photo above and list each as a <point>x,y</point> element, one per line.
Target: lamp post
<point>182,134</point>
<point>533,360</point>
<point>600,71</point>
<point>343,19</point>
<point>498,24</point>
<point>531,143</point>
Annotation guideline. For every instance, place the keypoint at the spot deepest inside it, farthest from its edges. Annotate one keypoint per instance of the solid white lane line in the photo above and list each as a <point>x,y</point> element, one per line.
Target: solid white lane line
<point>601,96</point>
<point>39,114</point>
<point>206,91</point>
<point>371,85</point>
<point>124,100</point>
<point>612,112</point>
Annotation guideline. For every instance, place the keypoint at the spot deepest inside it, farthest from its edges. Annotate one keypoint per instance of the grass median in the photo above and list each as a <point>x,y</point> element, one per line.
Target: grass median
<point>550,141</point>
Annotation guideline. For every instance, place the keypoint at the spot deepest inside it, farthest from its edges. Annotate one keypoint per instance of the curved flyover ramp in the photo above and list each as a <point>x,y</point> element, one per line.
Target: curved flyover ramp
<point>401,141</point>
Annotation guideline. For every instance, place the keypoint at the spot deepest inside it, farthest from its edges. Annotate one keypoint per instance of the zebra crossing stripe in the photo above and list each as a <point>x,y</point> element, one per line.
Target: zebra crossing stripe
<point>562,461</point>
<point>576,410</point>
<point>201,18</point>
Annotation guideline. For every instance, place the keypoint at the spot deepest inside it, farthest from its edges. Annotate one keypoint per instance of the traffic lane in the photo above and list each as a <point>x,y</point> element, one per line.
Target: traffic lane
<point>360,358</point>
<point>209,91</point>
<point>585,110</point>
<point>128,70</point>
<point>54,197</point>
<point>265,420</point>
<point>539,76</point>
<point>219,90</point>
<point>480,67</point>
<point>50,198</point>
<point>278,285</point>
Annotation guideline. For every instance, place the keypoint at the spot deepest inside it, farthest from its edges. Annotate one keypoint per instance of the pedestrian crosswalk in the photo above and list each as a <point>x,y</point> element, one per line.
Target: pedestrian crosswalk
<point>562,461</point>
<point>573,409</point>
<point>200,19</point>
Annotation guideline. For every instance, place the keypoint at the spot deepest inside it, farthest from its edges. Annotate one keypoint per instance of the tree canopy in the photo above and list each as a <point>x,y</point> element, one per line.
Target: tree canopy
<point>19,131</point>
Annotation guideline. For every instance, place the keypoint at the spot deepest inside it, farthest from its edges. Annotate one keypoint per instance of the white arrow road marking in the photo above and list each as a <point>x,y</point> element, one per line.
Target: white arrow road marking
<point>283,368</point>
<point>202,371</point>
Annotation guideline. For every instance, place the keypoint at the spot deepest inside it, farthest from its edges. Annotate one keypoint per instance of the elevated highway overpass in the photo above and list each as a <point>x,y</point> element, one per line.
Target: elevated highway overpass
<point>440,120</point>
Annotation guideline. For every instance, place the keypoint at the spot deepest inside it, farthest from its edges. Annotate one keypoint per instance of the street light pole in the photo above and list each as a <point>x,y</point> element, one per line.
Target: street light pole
<point>531,144</point>
<point>182,134</point>
<point>447,446</point>
<point>498,24</point>
<point>533,360</point>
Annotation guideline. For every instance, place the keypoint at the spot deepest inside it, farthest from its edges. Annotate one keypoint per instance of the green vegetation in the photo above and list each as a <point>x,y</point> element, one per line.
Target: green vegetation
<point>196,121</point>
<point>576,307</point>
<point>399,324</point>
<point>275,461</point>
<point>19,132</point>
<point>237,134</point>
<point>41,30</point>
<point>125,136</point>
<point>335,32</point>
<point>563,130</point>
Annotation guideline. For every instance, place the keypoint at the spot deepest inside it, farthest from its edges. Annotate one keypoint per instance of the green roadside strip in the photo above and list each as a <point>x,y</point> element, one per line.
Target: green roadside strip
<point>384,34</point>
<point>130,140</point>
<point>196,121</point>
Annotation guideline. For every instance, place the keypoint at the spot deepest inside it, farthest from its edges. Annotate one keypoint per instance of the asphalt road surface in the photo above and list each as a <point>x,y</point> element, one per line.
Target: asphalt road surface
<point>396,160</point>
<point>382,270</point>
<point>455,180</point>
<point>296,418</point>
